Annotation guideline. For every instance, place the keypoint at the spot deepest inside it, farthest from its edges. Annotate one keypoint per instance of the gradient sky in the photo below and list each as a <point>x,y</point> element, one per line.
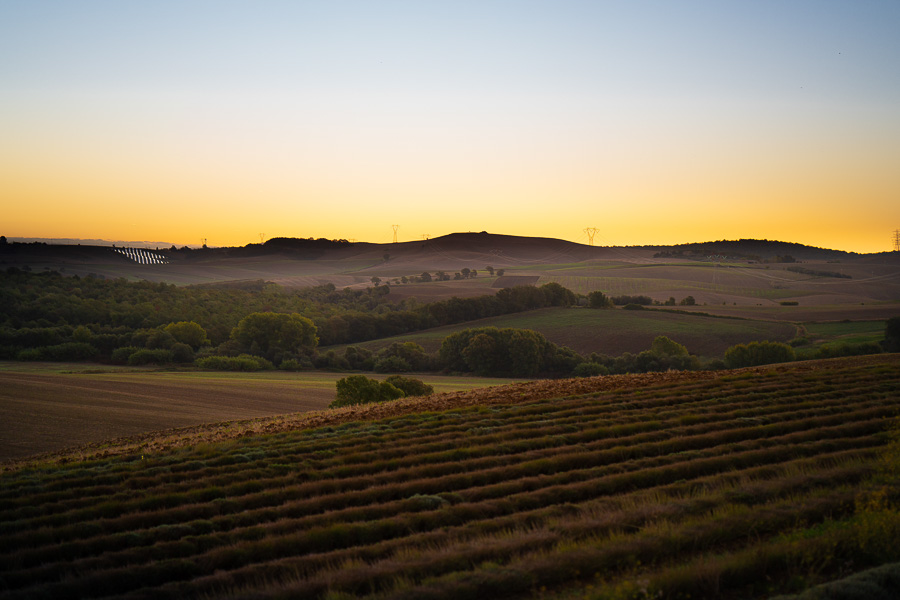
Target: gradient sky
<point>656,122</point>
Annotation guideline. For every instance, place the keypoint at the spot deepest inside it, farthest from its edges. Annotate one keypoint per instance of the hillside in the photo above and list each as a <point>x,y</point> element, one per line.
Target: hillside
<point>740,278</point>
<point>744,483</point>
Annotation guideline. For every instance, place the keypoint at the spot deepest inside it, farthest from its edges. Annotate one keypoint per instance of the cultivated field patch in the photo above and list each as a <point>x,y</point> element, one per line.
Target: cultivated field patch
<point>45,410</point>
<point>616,331</point>
<point>746,484</point>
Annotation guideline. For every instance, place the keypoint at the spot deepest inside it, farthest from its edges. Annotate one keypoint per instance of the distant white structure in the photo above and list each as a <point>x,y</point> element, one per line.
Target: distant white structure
<point>142,256</point>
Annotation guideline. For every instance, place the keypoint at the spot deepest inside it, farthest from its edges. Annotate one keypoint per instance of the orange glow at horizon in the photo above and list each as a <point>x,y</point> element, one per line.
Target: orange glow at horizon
<point>645,124</point>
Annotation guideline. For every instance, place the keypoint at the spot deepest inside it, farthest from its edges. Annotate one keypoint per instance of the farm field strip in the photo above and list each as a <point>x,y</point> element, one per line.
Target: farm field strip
<point>613,331</point>
<point>615,286</point>
<point>47,407</point>
<point>483,445</point>
<point>487,436</point>
<point>446,502</point>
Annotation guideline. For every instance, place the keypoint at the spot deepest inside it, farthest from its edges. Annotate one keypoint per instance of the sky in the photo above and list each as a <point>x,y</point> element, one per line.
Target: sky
<point>655,122</point>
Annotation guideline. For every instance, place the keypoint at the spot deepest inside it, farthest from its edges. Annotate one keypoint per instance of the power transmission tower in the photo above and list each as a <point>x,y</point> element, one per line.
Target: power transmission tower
<point>897,240</point>
<point>261,237</point>
<point>396,227</point>
<point>425,236</point>
<point>590,231</point>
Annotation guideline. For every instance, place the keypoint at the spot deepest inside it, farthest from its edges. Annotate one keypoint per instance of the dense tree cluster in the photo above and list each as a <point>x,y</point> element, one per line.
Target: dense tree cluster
<point>47,316</point>
<point>255,325</point>
<point>758,353</point>
<point>494,351</point>
<point>359,389</point>
<point>49,306</point>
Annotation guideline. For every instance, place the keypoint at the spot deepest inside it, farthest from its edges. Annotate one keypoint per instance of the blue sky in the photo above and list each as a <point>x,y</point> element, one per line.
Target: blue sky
<point>658,122</point>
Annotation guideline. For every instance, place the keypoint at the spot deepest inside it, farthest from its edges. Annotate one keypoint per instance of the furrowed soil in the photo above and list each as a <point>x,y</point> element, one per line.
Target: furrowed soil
<point>735,484</point>
<point>44,411</point>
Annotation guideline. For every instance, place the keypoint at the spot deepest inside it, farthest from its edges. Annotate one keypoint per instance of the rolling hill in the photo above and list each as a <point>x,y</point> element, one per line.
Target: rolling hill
<point>737,278</point>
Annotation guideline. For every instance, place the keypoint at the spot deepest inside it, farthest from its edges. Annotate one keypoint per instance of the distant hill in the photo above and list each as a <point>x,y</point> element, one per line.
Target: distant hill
<point>90,242</point>
<point>753,249</point>
<point>468,244</point>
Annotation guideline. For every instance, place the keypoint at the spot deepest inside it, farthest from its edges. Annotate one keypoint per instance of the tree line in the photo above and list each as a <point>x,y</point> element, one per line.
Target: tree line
<point>250,326</point>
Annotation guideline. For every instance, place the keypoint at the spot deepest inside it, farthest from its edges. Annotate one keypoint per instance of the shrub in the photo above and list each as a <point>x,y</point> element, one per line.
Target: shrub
<point>598,299</point>
<point>565,360</point>
<point>632,307</point>
<point>66,351</point>
<point>391,364</point>
<point>359,358</point>
<point>849,350</point>
<point>30,354</point>
<point>413,356</point>
<point>758,353</point>
<point>71,351</point>
<point>153,339</point>
<point>120,355</point>
<point>663,346</point>
<point>359,389</point>
<point>182,353</point>
<point>330,360</point>
<point>290,364</point>
<point>623,300</point>
<point>244,362</point>
<point>590,369</point>
<point>410,386</point>
<point>188,332</point>
<point>144,356</point>
<point>82,334</point>
<point>892,335</point>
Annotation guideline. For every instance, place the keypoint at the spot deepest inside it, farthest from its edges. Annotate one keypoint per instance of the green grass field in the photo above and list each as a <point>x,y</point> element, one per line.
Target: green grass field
<point>743,485</point>
<point>616,331</point>
<point>850,332</point>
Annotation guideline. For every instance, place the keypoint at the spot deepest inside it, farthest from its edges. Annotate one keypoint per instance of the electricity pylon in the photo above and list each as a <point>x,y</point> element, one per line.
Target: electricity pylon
<point>590,231</point>
<point>396,227</point>
<point>897,240</point>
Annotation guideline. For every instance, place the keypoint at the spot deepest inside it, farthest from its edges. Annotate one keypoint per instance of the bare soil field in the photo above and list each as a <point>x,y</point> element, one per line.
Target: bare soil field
<point>44,410</point>
<point>803,312</point>
<point>489,392</point>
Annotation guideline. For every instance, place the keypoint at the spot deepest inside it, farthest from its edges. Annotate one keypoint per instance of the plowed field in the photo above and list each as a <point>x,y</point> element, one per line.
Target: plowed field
<point>46,412</point>
<point>738,484</point>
